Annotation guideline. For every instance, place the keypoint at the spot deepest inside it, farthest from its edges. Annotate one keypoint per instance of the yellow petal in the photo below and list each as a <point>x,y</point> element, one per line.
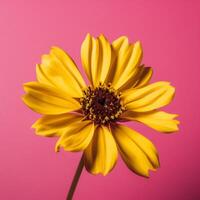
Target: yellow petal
<point>76,136</point>
<point>143,77</point>
<point>101,154</point>
<point>140,78</point>
<point>135,94</point>
<point>128,59</point>
<point>148,98</point>
<point>121,44</point>
<point>96,58</point>
<point>105,60</point>
<point>58,70</point>
<point>158,120</point>
<point>86,49</point>
<point>48,100</point>
<point>139,154</point>
<point>69,64</point>
<point>52,125</point>
<point>44,77</point>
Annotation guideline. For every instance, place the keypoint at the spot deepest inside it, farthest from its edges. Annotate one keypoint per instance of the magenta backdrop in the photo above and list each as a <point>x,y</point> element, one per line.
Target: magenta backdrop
<point>170,34</point>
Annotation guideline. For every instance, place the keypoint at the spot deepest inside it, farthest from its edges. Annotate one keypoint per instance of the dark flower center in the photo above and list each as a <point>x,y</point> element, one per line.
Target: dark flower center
<point>101,104</point>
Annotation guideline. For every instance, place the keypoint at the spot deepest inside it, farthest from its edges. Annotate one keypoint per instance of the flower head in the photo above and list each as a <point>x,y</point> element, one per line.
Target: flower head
<point>89,118</point>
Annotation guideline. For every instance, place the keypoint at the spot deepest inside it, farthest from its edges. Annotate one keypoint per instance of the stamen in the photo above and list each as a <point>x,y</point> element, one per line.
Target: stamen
<point>101,104</point>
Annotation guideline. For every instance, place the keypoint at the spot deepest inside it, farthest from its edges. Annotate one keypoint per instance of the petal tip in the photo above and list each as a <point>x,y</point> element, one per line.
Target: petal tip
<point>102,36</point>
<point>88,36</point>
<point>57,148</point>
<point>55,49</point>
<point>34,125</point>
<point>23,98</point>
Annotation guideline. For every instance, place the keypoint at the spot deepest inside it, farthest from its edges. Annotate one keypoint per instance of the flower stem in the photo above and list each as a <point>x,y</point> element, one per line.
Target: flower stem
<point>75,179</point>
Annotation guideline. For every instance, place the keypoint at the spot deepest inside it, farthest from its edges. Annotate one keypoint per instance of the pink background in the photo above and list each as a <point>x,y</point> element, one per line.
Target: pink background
<point>170,34</point>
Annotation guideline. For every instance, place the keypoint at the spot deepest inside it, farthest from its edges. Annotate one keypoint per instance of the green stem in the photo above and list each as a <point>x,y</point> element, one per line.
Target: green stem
<point>75,179</point>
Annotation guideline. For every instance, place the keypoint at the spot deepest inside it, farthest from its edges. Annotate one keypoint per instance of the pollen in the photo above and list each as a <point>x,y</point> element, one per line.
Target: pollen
<point>101,104</point>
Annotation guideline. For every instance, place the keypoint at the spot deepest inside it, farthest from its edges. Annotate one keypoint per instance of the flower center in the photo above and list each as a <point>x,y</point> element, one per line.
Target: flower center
<point>101,104</point>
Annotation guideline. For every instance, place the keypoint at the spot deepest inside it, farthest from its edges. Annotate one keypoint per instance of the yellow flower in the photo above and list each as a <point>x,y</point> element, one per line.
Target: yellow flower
<point>89,118</point>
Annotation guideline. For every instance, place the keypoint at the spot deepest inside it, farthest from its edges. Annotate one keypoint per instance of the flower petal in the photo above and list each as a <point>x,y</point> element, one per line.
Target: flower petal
<point>140,78</point>
<point>128,59</point>
<point>143,77</point>
<point>139,154</point>
<point>48,100</point>
<point>52,125</point>
<point>58,70</point>
<point>101,154</point>
<point>76,136</point>
<point>148,98</point>
<point>96,58</point>
<point>69,64</point>
<point>158,120</point>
